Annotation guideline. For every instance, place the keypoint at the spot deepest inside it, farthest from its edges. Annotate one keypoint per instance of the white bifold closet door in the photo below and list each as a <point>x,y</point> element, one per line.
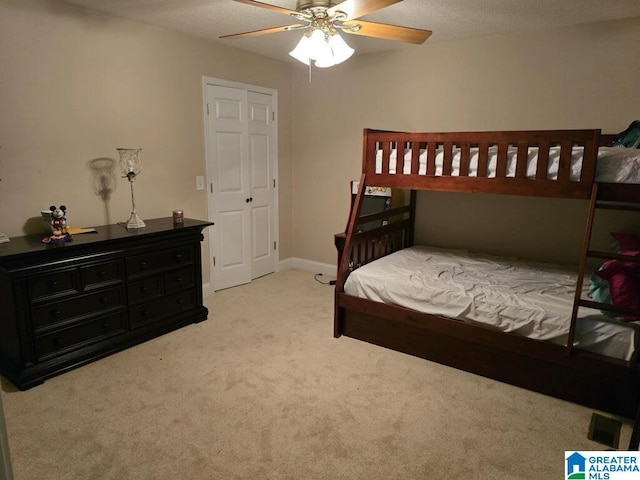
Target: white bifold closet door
<point>242,182</point>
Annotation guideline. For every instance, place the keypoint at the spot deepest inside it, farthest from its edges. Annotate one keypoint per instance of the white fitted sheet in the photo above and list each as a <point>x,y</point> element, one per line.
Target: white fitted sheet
<point>614,165</point>
<point>530,299</point>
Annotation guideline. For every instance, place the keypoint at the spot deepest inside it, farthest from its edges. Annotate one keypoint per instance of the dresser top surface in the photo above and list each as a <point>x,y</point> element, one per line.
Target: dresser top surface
<point>114,232</point>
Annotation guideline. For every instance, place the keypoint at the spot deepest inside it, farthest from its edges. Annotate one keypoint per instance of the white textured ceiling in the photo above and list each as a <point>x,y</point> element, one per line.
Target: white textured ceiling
<point>448,19</point>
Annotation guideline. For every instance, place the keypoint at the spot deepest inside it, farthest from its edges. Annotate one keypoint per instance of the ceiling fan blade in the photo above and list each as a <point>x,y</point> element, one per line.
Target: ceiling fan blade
<point>358,8</point>
<point>265,31</point>
<point>389,32</point>
<point>268,6</point>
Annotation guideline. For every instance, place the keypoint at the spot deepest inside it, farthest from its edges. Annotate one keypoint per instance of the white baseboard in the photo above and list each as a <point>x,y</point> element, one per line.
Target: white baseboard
<point>327,269</point>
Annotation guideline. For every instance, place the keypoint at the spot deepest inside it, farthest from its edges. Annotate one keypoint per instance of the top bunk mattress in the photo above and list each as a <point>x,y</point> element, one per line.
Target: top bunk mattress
<point>529,299</point>
<point>614,164</point>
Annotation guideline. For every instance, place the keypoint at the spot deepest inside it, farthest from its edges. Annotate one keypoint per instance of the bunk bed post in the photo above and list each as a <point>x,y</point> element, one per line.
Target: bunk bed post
<point>343,260</point>
<point>343,263</point>
<point>337,314</point>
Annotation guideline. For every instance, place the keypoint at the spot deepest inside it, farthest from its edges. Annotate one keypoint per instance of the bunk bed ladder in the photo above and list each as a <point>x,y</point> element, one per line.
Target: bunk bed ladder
<point>605,197</point>
<point>602,199</point>
<point>584,254</point>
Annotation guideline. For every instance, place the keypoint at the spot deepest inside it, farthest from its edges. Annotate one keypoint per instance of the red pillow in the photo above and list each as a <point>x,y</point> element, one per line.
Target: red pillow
<point>624,285</point>
<point>626,243</point>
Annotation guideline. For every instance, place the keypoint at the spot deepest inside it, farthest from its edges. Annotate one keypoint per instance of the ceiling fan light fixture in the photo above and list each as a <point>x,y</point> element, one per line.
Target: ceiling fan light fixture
<point>320,49</point>
<point>341,51</point>
<point>318,44</point>
<point>325,50</point>
<point>302,52</point>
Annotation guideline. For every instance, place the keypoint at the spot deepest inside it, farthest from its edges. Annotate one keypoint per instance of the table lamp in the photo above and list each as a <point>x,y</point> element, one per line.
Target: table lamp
<point>131,166</point>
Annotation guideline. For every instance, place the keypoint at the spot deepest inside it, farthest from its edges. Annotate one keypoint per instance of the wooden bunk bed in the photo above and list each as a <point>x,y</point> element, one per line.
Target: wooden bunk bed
<point>498,163</point>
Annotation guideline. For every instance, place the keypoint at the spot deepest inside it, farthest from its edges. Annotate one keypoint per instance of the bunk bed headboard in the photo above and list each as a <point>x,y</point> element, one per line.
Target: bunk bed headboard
<point>534,163</point>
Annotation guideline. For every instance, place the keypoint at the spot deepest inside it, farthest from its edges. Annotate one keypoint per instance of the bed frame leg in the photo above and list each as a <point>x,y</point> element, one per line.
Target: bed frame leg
<point>337,317</point>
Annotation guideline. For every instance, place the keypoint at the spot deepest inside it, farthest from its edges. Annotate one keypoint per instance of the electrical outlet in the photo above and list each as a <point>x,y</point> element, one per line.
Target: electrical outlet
<point>199,182</point>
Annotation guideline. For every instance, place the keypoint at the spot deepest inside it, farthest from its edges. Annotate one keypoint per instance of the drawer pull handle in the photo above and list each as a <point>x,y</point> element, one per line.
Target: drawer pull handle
<point>55,313</point>
<point>58,341</point>
<point>145,313</point>
<point>103,300</point>
<point>105,325</point>
<point>178,279</point>
<point>53,283</point>
<point>179,257</point>
<point>180,301</point>
<point>101,273</point>
<point>143,265</point>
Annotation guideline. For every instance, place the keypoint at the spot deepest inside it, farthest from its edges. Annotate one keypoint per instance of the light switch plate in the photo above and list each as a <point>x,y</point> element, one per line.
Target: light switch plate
<point>199,182</point>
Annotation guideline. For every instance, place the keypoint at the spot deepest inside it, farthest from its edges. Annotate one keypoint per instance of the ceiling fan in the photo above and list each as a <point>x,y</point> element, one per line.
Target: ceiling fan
<point>322,21</point>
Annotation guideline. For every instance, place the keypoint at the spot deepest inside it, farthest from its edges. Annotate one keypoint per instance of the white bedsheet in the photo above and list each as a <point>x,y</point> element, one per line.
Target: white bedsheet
<point>533,300</point>
<point>614,165</point>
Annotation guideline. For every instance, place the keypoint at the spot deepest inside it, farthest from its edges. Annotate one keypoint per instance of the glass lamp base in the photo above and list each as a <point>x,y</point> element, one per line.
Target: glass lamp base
<point>3,238</point>
<point>135,221</point>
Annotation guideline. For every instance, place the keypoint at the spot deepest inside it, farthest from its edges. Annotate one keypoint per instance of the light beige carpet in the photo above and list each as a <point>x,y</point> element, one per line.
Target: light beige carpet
<point>262,390</point>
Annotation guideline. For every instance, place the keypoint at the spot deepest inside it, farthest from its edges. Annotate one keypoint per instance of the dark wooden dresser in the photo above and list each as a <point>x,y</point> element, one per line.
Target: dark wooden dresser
<point>68,304</point>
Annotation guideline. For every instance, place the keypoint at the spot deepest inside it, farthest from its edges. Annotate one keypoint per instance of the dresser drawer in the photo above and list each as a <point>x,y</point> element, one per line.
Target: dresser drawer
<point>179,280</point>
<point>102,274</point>
<point>159,260</point>
<point>67,310</point>
<point>146,289</point>
<point>79,335</point>
<point>61,282</point>
<point>157,310</point>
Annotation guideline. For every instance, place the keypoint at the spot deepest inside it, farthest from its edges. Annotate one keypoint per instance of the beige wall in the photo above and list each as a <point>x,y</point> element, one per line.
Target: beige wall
<point>579,77</point>
<point>75,84</point>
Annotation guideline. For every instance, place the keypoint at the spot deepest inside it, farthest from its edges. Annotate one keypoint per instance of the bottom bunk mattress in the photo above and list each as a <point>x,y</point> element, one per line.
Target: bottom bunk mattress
<point>525,298</point>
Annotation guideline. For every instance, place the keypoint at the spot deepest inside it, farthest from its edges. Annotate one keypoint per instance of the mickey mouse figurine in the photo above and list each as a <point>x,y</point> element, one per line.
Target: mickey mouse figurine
<point>58,225</point>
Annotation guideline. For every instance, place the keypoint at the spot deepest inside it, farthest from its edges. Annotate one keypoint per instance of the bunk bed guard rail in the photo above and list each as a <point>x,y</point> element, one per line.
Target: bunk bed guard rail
<point>538,163</point>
